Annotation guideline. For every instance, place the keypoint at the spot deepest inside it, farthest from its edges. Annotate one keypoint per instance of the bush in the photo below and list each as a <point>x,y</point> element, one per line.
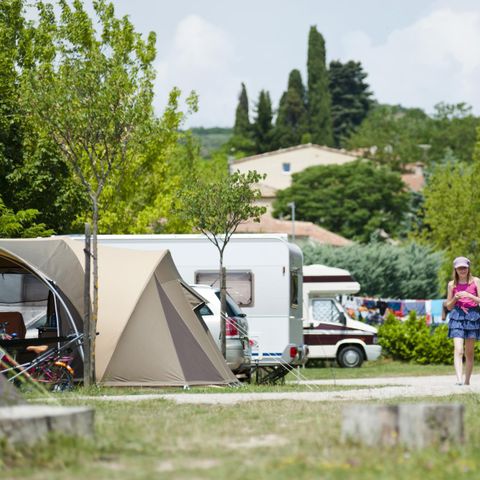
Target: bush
<point>413,340</point>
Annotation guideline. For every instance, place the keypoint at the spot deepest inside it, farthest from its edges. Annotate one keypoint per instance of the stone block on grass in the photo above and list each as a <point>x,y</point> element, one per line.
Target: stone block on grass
<point>413,426</point>
<point>31,423</point>
<point>371,425</point>
<point>422,425</point>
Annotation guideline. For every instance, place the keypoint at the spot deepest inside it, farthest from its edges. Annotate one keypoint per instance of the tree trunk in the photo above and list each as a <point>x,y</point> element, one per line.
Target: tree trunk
<point>87,364</point>
<point>223,308</point>
<point>93,323</point>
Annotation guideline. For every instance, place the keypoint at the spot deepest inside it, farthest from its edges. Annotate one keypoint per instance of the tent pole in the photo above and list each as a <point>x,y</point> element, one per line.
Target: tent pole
<point>87,363</point>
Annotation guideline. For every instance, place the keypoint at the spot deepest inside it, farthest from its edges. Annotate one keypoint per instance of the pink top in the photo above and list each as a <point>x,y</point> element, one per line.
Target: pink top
<point>466,287</point>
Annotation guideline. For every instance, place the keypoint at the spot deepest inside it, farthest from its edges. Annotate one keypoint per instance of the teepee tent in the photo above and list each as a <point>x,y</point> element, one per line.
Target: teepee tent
<point>149,333</point>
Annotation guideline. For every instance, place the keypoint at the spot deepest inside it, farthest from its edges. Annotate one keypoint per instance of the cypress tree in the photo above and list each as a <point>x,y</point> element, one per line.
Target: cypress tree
<point>319,102</point>
<point>262,127</point>
<point>291,126</point>
<point>351,98</point>
<point>241,140</point>
<point>242,126</point>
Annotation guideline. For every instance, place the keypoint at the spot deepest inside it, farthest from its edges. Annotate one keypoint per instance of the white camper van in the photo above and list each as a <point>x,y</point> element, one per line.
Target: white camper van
<point>329,331</point>
<point>264,277</point>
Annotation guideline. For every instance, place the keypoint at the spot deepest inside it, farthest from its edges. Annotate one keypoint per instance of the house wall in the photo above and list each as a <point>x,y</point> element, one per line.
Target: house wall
<point>298,158</point>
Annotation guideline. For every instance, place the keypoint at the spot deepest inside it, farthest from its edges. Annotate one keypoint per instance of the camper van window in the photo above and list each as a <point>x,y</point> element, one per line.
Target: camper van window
<point>239,284</point>
<point>294,289</point>
<point>324,310</point>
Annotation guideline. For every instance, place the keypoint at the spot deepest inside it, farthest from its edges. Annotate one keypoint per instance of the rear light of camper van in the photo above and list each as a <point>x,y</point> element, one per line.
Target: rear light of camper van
<point>293,352</point>
<point>231,329</point>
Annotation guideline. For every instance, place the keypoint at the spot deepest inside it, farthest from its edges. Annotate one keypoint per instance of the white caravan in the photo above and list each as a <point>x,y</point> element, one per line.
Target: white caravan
<point>264,277</point>
<point>329,331</point>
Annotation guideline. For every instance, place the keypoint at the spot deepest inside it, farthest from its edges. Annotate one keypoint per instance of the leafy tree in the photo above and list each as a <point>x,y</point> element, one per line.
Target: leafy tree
<point>138,196</point>
<point>216,208</point>
<point>397,136</point>
<point>392,135</point>
<point>356,199</point>
<point>451,211</point>
<point>93,95</point>
<point>33,174</point>
<point>11,28</point>
<point>384,270</point>
<point>351,98</point>
<point>291,126</point>
<point>21,223</point>
<point>319,101</point>
<point>262,126</point>
<point>453,130</point>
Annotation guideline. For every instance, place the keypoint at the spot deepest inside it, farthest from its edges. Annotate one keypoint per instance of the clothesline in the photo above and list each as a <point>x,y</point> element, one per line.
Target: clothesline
<point>365,307</point>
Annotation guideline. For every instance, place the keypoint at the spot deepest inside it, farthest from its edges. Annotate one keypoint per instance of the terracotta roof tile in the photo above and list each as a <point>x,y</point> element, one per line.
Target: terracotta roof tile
<point>268,224</point>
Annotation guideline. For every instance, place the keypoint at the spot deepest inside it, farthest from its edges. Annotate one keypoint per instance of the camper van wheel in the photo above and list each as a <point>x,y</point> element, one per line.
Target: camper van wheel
<point>350,357</point>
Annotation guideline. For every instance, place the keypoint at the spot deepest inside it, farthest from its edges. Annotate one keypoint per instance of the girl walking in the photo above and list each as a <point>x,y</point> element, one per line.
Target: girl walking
<point>463,301</point>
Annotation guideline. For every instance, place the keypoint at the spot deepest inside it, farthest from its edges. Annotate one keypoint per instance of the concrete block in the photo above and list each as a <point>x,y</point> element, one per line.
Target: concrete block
<point>31,423</point>
<point>411,425</point>
<point>372,425</point>
<point>422,425</point>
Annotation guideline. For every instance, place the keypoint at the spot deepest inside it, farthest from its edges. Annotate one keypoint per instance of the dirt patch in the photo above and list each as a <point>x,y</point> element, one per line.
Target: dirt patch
<point>259,441</point>
<point>201,464</point>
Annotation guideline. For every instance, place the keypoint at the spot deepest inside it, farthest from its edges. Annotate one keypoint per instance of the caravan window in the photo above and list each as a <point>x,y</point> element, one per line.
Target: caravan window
<point>294,289</point>
<point>239,284</point>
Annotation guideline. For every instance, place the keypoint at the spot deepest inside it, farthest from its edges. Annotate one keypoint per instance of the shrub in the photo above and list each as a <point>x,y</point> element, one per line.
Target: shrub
<point>413,340</point>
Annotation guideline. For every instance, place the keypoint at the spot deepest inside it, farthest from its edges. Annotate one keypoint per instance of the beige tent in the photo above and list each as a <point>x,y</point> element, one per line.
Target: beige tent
<point>148,331</point>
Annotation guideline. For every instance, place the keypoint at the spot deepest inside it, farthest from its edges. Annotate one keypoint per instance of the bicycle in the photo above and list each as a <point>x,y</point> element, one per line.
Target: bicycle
<point>50,368</point>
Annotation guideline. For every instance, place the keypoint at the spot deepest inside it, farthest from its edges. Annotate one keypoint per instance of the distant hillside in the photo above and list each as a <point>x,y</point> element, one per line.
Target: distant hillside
<point>211,138</point>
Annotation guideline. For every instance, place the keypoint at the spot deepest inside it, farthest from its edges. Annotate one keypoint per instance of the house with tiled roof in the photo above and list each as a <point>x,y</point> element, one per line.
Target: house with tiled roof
<point>414,177</point>
<point>279,165</point>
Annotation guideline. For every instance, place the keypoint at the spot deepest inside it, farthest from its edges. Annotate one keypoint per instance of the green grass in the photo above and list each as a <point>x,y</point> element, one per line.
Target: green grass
<point>259,440</point>
<point>379,368</point>
<point>80,393</point>
<point>256,440</point>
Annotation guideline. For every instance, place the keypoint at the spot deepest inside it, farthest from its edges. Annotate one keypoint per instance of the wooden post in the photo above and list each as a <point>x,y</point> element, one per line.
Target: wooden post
<point>223,310</point>
<point>87,350</point>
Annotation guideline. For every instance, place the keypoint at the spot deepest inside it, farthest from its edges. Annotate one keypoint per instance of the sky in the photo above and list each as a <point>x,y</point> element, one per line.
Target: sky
<point>416,53</point>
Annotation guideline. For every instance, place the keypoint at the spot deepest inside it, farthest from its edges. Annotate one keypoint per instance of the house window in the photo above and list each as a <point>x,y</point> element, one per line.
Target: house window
<point>286,167</point>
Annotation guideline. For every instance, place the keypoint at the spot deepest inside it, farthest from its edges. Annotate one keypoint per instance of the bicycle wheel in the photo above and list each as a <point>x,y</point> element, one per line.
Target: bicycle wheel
<point>57,378</point>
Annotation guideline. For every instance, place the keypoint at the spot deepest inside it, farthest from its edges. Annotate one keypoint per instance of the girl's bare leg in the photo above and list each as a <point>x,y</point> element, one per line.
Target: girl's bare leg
<point>458,358</point>
<point>469,354</point>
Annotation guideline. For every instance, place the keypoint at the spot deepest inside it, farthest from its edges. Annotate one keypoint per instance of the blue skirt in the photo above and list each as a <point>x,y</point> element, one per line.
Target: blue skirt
<point>463,324</point>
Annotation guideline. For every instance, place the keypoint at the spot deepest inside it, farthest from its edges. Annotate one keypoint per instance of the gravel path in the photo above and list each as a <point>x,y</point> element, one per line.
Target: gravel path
<point>377,389</point>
